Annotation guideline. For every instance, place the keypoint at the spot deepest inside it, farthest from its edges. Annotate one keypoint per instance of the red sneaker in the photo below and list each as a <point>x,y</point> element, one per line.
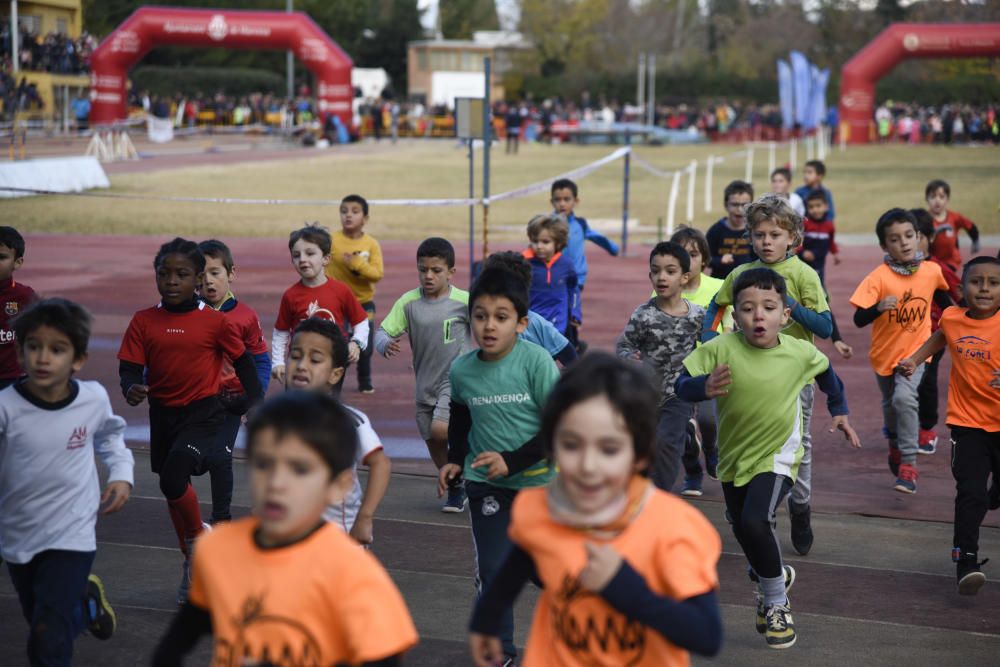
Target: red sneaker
<point>906,482</point>
<point>927,442</point>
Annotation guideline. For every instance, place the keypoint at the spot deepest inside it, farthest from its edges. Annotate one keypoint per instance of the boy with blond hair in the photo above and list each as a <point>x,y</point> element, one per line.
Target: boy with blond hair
<point>776,231</point>
<point>356,260</point>
<point>553,278</point>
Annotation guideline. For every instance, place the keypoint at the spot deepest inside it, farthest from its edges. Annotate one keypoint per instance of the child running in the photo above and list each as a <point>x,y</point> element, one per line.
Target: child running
<point>15,296</point>
<point>553,279</point>
<point>728,244</point>
<point>51,426</point>
<point>776,231</point>
<point>660,334</point>
<point>216,291</point>
<point>497,393</point>
<point>315,295</point>
<point>818,241</point>
<point>317,361</point>
<point>813,174</point>
<point>927,390</point>
<point>757,375</point>
<point>946,225</point>
<point>628,571</point>
<point>172,354</point>
<point>565,198</point>
<point>435,317</point>
<point>356,260</point>
<point>284,586</point>
<point>896,297</point>
<point>970,336</point>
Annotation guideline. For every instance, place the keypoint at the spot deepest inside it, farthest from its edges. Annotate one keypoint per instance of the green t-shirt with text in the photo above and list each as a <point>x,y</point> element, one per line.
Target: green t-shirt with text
<point>760,419</point>
<point>505,400</point>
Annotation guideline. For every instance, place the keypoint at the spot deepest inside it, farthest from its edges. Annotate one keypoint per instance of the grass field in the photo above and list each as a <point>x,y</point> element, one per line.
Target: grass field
<point>865,181</point>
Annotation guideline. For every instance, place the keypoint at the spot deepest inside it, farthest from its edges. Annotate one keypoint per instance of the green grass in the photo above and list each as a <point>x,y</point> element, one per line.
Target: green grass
<point>865,181</point>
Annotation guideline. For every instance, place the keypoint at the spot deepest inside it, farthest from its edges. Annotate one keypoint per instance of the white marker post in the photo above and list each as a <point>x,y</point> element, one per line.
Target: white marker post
<point>749,170</point>
<point>793,155</point>
<point>709,168</point>
<point>675,186</point>
<point>771,157</point>
<point>692,175</point>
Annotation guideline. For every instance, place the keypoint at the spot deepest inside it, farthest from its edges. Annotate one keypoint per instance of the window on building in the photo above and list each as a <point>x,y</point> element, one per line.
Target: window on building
<point>61,26</point>
<point>30,24</point>
<point>422,62</point>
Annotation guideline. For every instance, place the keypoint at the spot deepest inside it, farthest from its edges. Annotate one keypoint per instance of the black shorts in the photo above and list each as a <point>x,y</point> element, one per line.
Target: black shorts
<point>192,427</point>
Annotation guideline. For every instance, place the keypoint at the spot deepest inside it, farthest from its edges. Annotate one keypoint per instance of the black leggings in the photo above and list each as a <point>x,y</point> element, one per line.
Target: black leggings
<point>974,454</point>
<point>180,440</point>
<point>750,510</point>
<point>927,393</point>
<point>219,463</point>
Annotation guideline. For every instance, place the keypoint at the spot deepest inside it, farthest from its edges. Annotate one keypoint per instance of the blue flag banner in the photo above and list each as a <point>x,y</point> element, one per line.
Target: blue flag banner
<point>802,84</point>
<point>821,77</point>
<point>786,96</point>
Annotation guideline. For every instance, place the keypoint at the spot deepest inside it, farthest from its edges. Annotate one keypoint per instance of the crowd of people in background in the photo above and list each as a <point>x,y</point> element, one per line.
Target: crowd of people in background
<point>950,123</point>
<point>56,52</point>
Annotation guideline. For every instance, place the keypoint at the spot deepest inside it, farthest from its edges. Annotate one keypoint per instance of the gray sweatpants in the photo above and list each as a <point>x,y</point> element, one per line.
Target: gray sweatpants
<point>900,410</point>
<point>802,491</point>
<point>671,434</point>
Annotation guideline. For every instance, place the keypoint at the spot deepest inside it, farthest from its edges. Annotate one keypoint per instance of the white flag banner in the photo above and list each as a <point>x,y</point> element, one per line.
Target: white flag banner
<point>159,130</point>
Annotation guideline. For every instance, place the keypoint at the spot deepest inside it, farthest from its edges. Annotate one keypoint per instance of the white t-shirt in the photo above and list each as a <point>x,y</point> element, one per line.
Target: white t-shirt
<point>344,513</point>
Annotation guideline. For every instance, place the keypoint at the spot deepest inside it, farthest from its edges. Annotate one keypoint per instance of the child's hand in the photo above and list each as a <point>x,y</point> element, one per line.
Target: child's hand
<point>278,373</point>
<point>348,257</point>
<point>486,650</point>
<point>494,464</point>
<point>727,258</point>
<point>888,303</point>
<point>115,496</point>
<point>603,562</point>
<point>836,259</point>
<point>717,382</point>
<point>392,349</point>
<point>808,255</point>
<point>137,394</point>
<point>362,530</point>
<point>353,353</point>
<point>846,351</point>
<point>448,472</point>
<point>840,423</point>
<point>906,367</point>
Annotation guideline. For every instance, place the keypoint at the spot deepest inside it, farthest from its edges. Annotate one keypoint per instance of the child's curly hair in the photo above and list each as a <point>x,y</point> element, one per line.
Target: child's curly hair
<point>777,209</point>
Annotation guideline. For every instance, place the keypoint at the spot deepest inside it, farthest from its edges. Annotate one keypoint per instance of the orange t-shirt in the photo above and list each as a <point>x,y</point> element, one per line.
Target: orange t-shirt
<point>321,601</point>
<point>972,402</point>
<point>899,332</point>
<point>671,544</point>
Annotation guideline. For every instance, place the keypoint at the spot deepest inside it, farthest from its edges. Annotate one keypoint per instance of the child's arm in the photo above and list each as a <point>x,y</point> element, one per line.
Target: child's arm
<point>484,626</point>
<point>392,328</point>
<point>629,343</point>
<point>370,269</point>
<point>459,427</point>
<point>973,231</point>
<point>131,378</point>
<point>188,626</point>
<point>865,316</point>
<point>387,346</point>
<point>279,341</point>
<point>109,444</point>
<point>589,234</point>
<point>262,362</point>
<point>836,402</point>
<point>703,387</point>
<point>694,624</point>
<point>379,472</point>
<point>710,323</point>
<point>834,249</point>
<point>246,372</point>
<point>820,324</point>
<point>931,346</point>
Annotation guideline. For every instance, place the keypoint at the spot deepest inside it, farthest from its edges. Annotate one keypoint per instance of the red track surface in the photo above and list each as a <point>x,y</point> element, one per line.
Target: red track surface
<point>113,277</point>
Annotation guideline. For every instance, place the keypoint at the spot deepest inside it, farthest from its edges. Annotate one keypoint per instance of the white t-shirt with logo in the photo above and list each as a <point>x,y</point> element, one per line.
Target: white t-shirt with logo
<point>343,514</point>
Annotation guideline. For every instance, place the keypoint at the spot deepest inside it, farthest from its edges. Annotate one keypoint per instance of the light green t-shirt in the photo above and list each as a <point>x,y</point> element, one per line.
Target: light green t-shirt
<point>505,400</point>
<point>760,419</point>
<point>801,280</point>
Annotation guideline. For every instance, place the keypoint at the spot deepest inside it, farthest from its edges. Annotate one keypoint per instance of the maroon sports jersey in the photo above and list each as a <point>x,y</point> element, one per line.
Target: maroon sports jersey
<point>333,300</point>
<point>14,297</point>
<point>182,352</point>
<point>248,325</point>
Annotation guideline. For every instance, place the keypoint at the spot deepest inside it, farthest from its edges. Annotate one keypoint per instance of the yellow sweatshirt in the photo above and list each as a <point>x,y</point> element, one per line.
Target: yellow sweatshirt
<point>365,268</point>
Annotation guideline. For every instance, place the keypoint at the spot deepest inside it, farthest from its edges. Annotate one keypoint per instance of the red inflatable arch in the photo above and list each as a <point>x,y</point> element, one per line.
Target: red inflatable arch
<point>898,42</point>
<point>149,27</point>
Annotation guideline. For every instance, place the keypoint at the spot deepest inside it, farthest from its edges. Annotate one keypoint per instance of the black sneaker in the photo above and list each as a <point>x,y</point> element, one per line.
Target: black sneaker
<point>102,617</point>
<point>970,578</point>
<point>366,387</point>
<point>802,534</point>
<point>780,628</point>
<point>456,501</point>
<point>761,621</point>
<point>712,466</point>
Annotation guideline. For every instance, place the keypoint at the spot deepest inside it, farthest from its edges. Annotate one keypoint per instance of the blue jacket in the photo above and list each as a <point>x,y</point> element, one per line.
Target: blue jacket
<point>553,286</point>
<point>580,231</point>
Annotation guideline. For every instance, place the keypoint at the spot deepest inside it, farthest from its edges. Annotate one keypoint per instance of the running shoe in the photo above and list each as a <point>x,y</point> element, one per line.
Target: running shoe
<point>761,621</point>
<point>780,630</point>
<point>457,500</point>
<point>906,482</point>
<point>692,486</point>
<point>970,577</point>
<point>927,442</point>
<point>102,617</point>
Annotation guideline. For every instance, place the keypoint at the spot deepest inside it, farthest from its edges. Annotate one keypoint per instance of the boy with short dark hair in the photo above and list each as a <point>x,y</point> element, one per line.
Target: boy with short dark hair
<point>781,184</point>
<point>896,297</point>
<point>927,391</point>
<point>51,426</point>
<point>565,197</point>
<point>15,297</point>
<point>946,225</point>
<point>553,279</point>
<point>661,333</point>
<point>303,592</point>
<point>812,176</point>
<point>356,260</point>
<point>818,234</point>
<point>216,291</point>
<point>315,295</point>
<point>727,238</point>
<point>757,375</point>
<point>435,317</point>
<point>317,361</point>
<point>497,393</point>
